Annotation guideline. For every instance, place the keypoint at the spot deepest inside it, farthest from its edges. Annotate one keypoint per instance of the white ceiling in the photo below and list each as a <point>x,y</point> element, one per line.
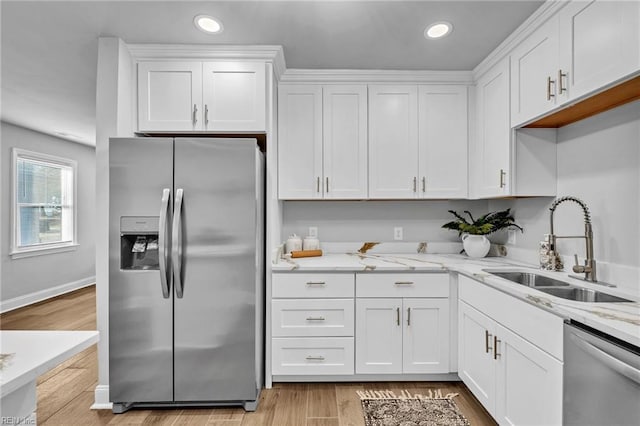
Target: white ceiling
<point>49,48</point>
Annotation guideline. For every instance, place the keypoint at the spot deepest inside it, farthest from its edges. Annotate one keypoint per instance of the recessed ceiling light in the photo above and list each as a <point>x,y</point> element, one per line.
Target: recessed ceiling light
<point>208,24</point>
<point>438,30</point>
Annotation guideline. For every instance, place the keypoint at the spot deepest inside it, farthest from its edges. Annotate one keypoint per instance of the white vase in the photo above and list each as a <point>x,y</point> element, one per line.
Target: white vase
<point>475,245</point>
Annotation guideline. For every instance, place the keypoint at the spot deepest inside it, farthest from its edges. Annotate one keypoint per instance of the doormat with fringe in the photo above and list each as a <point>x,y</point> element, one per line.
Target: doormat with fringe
<point>385,408</point>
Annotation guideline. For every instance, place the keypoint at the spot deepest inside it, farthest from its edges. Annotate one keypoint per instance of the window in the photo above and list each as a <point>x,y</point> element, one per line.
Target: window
<point>44,214</point>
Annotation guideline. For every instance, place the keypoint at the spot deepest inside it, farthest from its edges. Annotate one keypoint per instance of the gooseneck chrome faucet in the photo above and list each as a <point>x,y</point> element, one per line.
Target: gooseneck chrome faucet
<point>589,267</point>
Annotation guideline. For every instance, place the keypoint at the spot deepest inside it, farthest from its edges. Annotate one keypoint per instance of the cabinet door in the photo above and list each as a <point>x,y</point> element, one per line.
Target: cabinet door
<point>599,44</point>
<point>378,336</point>
<point>529,383</point>
<point>491,162</point>
<point>345,141</point>
<point>443,141</point>
<point>234,96</point>
<point>393,141</point>
<point>476,366</point>
<point>534,67</point>
<point>300,142</point>
<point>169,96</point>
<point>425,343</point>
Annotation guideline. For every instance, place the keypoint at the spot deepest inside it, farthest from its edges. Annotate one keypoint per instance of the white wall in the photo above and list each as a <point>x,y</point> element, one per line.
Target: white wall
<point>36,277</point>
<point>354,221</point>
<point>598,162</point>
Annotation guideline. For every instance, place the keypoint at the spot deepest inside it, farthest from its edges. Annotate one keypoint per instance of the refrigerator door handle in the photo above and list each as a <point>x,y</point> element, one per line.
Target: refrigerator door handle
<point>165,280</point>
<point>176,241</point>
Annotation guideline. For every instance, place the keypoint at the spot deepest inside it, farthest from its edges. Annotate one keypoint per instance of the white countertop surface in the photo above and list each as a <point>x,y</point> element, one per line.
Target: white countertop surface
<point>30,354</point>
<point>621,320</point>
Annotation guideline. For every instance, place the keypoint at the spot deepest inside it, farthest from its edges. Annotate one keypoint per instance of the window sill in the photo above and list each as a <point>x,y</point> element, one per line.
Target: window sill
<point>41,251</point>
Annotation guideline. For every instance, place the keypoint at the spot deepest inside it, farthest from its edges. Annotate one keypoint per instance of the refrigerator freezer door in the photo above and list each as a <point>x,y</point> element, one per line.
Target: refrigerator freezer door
<point>215,320</point>
<point>140,317</point>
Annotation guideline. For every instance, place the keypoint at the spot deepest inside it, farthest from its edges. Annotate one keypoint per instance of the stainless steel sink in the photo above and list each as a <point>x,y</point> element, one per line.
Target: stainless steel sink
<point>581,294</point>
<point>556,287</point>
<point>530,279</point>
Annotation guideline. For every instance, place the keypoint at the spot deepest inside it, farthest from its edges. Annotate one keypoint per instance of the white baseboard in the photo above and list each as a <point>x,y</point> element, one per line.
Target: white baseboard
<point>101,398</point>
<point>28,299</point>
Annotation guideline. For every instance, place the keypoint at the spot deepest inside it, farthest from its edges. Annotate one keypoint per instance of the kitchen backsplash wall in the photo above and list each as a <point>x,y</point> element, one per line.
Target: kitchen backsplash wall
<point>347,221</point>
<point>598,162</point>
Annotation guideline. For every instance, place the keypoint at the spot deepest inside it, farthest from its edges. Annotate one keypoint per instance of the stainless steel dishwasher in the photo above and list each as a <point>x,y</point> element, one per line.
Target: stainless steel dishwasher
<point>601,379</point>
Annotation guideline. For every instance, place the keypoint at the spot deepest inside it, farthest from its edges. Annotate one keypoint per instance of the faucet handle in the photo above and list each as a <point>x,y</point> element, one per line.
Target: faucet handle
<point>577,268</point>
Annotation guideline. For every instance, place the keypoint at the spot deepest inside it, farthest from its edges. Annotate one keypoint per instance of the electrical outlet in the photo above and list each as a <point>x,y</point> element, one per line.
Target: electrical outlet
<point>397,233</point>
<point>313,231</point>
<point>511,236</point>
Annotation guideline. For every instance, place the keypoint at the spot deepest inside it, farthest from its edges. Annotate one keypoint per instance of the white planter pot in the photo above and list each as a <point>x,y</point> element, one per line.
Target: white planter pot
<point>475,245</point>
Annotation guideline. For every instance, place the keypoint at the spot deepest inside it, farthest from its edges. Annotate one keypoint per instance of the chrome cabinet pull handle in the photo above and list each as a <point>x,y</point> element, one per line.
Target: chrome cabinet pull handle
<point>561,74</point>
<point>408,317</point>
<point>415,184</point>
<point>318,184</point>
<point>195,111</point>
<point>327,190</point>
<point>495,347</point>
<point>315,318</point>
<point>398,316</point>
<point>502,176</point>
<point>206,114</point>
<point>316,283</point>
<point>403,283</point>
<point>549,94</point>
<point>487,336</point>
<point>315,358</point>
<point>165,279</point>
<point>424,184</point>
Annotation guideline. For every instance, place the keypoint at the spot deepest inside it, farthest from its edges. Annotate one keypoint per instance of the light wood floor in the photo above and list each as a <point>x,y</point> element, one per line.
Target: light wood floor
<point>66,392</point>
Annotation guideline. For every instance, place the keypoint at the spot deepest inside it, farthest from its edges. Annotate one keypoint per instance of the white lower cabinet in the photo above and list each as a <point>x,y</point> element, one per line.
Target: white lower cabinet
<point>312,324</point>
<point>396,336</point>
<point>516,381</point>
<point>312,356</point>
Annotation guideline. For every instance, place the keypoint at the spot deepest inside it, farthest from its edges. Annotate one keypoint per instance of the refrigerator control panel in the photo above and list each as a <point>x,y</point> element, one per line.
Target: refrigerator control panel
<point>139,224</point>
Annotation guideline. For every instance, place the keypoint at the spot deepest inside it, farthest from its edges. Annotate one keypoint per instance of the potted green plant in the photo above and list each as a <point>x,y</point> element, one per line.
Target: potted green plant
<point>474,232</point>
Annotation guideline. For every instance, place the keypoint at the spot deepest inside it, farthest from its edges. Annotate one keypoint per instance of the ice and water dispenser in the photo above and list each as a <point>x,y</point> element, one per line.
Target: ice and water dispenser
<point>139,242</point>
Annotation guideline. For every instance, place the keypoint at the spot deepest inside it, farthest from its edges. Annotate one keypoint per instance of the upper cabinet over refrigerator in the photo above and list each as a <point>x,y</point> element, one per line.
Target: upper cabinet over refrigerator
<point>217,96</point>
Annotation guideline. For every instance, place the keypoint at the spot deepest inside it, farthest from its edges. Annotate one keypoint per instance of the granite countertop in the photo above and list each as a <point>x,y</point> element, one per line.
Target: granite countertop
<point>621,320</point>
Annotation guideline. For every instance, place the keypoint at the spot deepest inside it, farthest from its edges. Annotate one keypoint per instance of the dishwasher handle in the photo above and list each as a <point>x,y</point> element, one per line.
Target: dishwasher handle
<point>610,361</point>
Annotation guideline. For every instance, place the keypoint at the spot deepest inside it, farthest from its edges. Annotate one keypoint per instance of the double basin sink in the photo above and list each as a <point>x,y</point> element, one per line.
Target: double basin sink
<point>556,287</point>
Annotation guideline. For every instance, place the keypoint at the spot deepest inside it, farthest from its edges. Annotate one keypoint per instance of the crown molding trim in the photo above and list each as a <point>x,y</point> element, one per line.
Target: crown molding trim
<point>375,76</point>
<point>180,52</point>
<point>532,23</point>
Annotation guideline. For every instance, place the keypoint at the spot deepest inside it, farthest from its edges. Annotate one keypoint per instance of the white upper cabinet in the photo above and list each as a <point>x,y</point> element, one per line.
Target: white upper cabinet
<point>345,141</point>
<point>209,96</point>
<point>393,141</point>
<point>443,137</point>
<point>234,96</point>
<point>491,156</point>
<point>322,146</point>
<point>534,74</point>
<point>599,44</point>
<point>169,96</point>
<point>300,142</point>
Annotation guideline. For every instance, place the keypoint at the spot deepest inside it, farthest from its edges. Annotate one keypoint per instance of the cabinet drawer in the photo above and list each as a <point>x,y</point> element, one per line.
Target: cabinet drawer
<point>311,317</point>
<point>402,285</point>
<point>539,327</point>
<point>312,356</point>
<point>293,285</point>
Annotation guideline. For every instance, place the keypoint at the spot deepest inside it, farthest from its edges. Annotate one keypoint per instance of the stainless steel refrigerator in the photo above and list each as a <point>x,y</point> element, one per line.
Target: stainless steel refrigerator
<point>186,272</point>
